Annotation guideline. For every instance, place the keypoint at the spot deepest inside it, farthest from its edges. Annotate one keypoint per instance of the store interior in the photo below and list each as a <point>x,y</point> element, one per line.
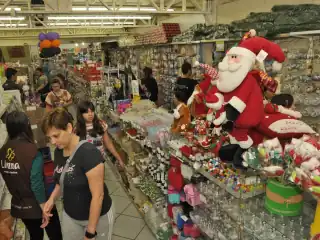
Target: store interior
<point>226,162</point>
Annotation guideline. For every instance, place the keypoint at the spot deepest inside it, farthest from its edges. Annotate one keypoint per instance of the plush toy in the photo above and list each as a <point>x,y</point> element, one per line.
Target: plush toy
<point>182,118</point>
<point>196,101</point>
<point>243,115</point>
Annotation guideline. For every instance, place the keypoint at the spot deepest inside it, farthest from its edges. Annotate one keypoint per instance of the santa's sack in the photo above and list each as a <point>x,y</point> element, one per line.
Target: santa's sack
<point>284,200</point>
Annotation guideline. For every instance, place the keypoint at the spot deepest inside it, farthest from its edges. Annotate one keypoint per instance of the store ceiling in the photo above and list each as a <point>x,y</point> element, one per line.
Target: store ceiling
<point>86,18</point>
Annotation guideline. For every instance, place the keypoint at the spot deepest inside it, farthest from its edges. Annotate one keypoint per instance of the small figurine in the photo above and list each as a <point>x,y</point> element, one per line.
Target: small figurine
<point>182,117</point>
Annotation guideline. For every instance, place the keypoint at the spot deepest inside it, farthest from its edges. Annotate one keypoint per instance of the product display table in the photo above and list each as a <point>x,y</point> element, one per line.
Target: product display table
<point>228,211</point>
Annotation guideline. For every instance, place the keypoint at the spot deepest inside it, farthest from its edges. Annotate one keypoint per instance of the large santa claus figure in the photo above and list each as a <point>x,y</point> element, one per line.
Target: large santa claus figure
<point>242,114</point>
<point>244,108</point>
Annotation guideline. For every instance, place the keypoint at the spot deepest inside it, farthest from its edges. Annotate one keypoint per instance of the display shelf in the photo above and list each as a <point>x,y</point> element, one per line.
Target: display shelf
<point>206,174</point>
<point>138,208</point>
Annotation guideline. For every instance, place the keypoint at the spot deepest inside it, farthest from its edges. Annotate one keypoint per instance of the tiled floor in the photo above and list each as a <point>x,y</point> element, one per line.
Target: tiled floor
<point>129,223</point>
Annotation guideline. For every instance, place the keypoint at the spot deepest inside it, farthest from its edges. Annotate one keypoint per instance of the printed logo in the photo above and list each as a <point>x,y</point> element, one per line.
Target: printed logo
<point>8,164</point>
<point>10,154</point>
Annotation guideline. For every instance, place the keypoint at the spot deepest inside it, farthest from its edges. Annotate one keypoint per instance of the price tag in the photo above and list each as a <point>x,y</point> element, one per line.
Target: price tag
<point>184,218</point>
<point>34,127</point>
<point>31,108</point>
<point>203,198</point>
<point>262,56</point>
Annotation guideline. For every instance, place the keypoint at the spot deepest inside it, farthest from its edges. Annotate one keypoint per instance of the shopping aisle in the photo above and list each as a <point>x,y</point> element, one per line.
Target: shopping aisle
<point>129,223</point>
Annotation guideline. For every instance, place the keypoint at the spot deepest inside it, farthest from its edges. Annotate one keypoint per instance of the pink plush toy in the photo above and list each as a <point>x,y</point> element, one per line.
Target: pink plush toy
<point>192,195</point>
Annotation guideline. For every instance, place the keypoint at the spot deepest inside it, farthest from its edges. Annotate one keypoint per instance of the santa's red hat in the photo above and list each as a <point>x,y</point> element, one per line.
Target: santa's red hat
<point>251,47</point>
<point>212,72</point>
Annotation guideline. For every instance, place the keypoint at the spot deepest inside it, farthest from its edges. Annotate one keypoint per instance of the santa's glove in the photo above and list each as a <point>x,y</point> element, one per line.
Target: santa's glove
<point>191,98</point>
<point>221,119</point>
<point>228,126</point>
<point>232,115</point>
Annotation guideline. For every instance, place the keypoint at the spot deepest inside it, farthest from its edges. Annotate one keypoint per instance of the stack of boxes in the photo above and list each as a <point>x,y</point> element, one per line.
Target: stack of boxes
<point>162,34</point>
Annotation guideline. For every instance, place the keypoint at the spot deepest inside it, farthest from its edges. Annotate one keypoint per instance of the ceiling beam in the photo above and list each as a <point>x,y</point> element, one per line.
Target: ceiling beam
<point>65,33</point>
<point>196,4</point>
<point>170,4</point>
<point>99,13</point>
<point>104,4</point>
<point>5,5</point>
<point>154,4</point>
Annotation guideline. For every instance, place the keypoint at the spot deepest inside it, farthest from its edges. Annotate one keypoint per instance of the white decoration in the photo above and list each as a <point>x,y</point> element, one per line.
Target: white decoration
<point>290,126</point>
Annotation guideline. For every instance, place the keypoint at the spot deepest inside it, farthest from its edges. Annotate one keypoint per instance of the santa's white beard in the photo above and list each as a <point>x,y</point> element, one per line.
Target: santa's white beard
<point>232,75</point>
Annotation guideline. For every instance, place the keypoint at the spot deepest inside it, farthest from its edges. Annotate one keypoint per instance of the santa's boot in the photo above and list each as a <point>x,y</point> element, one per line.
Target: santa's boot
<point>238,159</point>
<point>227,153</point>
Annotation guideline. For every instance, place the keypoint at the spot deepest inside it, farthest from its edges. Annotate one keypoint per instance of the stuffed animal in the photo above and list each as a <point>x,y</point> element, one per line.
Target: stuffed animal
<point>182,118</point>
<point>196,101</point>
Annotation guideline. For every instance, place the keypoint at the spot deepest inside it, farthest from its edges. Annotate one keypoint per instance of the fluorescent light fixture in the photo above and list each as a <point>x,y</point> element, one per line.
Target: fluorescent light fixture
<point>79,9</point>
<point>97,9</point>
<point>142,9</point>
<point>9,9</point>
<point>111,23</point>
<point>11,18</point>
<point>89,23</point>
<point>68,24</point>
<point>97,17</point>
<point>120,9</point>
<point>14,25</point>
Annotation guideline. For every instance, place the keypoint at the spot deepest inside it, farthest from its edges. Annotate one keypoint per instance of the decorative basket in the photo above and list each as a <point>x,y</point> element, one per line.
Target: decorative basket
<point>284,200</point>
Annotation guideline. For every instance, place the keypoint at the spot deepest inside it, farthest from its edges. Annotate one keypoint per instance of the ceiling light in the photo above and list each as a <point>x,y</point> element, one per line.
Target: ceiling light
<point>89,23</point>
<point>97,9</point>
<point>120,9</point>
<point>67,24</point>
<point>83,44</point>
<point>79,9</point>
<point>16,9</point>
<point>14,25</point>
<point>97,17</point>
<point>11,18</point>
<point>112,23</point>
<point>76,44</point>
<point>142,9</point>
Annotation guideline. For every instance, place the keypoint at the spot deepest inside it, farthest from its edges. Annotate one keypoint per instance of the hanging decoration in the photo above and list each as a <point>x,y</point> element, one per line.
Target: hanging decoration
<point>49,44</point>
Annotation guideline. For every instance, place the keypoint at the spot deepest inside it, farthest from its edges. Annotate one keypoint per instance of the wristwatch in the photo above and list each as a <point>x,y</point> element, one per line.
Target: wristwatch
<point>90,235</point>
